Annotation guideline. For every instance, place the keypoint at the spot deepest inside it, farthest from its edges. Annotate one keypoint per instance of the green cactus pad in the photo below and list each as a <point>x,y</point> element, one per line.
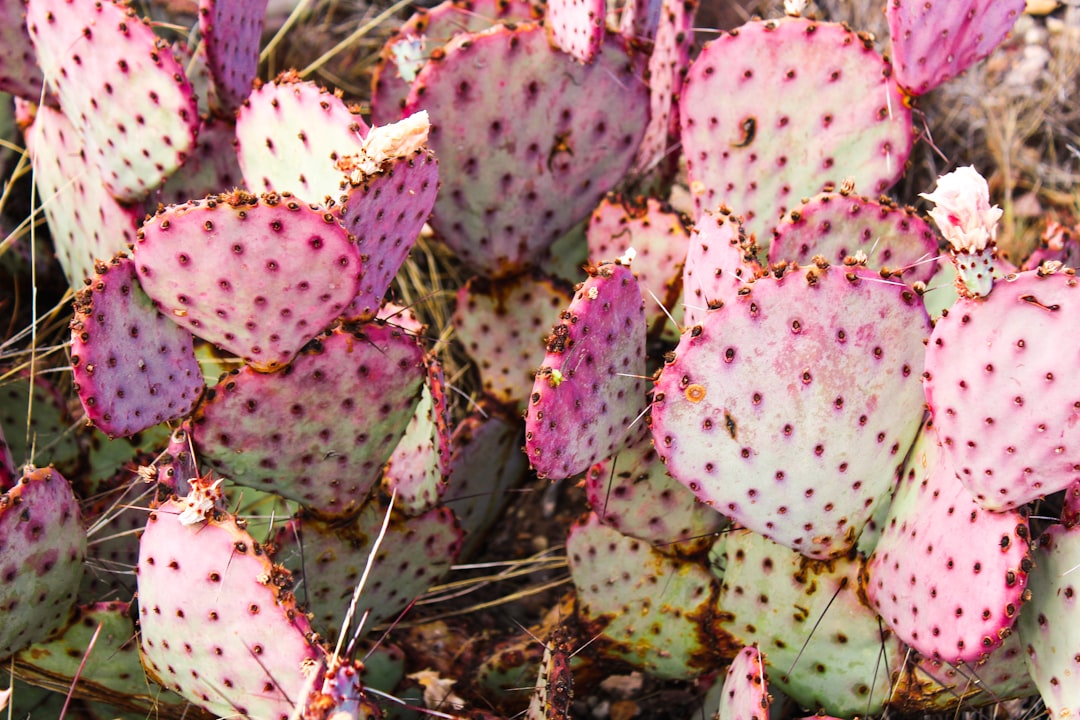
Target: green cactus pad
<point>425,32</point>
<point>588,398</point>
<point>936,547</point>
<point>502,325</point>
<point>774,111</point>
<point>419,470</point>
<point>112,671</point>
<point>791,409</point>
<point>329,559</point>
<point>320,431</point>
<point>519,173</point>
<point>290,135</point>
<point>838,225</point>
<point>133,367</point>
<point>42,546</point>
<point>37,424</point>
<point>86,223</point>
<point>652,610</point>
<point>121,87</point>
<point>259,277</point>
<point>1048,629</point>
<point>824,646</point>
<point>218,625</point>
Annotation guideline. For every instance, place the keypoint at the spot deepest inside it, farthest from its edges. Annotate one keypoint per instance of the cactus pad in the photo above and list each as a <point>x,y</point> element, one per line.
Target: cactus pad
<point>947,576</point>
<point>232,32</point>
<point>320,431</point>
<point>42,546</point>
<point>933,42</point>
<point>838,225</point>
<point>762,127</point>
<point>87,223</point>
<point>589,394</point>
<point>211,168</point>
<point>217,625</point>
<point>503,325</point>
<point>518,174</point>
<point>745,694</point>
<point>290,135</point>
<point>155,379</point>
<point>1004,404</point>
<point>576,26</point>
<point>258,277</point>
<point>720,262</point>
<point>122,88</point>
<point>19,72</point>
<point>791,409</point>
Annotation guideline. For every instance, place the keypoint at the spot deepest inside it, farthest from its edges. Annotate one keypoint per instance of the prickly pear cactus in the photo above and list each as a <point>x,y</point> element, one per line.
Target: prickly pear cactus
<point>19,72</point>
<point>745,695</point>
<point>42,546</point>
<point>589,394</point>
<point>720,262</point>
<point>740,411</point>
<point>998,385</point>
<point>935,41</point>
<point>576,26</point>
<point>519,173</point>
<point>156,379</point>
<point>219,625</point>
<point>258,276</point>
<point>121,87</point>
<point>775,111</point>
<point>231,32</point>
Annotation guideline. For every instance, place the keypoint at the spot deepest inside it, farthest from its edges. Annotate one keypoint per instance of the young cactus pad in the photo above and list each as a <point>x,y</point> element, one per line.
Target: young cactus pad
<point>42,546</point>
<point>576,26</point>
<point>519,173</point>
<point>589,395</point>
<point>773,112</point>
<point>1000,384</point>
<point>720,262</point>
<point>745,694</point>
<point>320,431</point>
<point>258,277</point>
<point>121,87</point>
<point>217,625</point>
<point>232,32</point>
<point>792,408</point>
<point>157,378</point>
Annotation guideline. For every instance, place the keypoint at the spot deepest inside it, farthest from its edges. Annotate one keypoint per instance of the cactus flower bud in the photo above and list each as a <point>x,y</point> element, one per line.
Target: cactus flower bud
<point>968,221</point>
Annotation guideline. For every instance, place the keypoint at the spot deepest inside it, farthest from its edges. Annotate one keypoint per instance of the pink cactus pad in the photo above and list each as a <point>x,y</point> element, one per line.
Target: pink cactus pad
<point>503,325</point>
<point>217,625</point>
<point>838,225</point>
<point>211,168</point>
<point>426,31</point>
<point>659,239</point>
<point>320,431</point>
<point>774,111</point>
<point>999,382</point>
<point>386,211</point>
<point>668,64</point>
<point>720,262</point>
<point>232,32</point>
<point>20,74</point>
<point>8,476</point>
<point>576,26</point>
<point>1048,628</point>
<point>290,135</point>
<point>519,173</point>
<point>42,546</point>
<point>259,277</point>
<point>133,367</point>
<point>935,41</point>
<point>792,408</point>
<point>745,695</point>
<point>419,469</point>
<point>121,87</point>
<point>938,545</point>
<point>640,19</point>
<point>589,394</point>
<point>86,223</point>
